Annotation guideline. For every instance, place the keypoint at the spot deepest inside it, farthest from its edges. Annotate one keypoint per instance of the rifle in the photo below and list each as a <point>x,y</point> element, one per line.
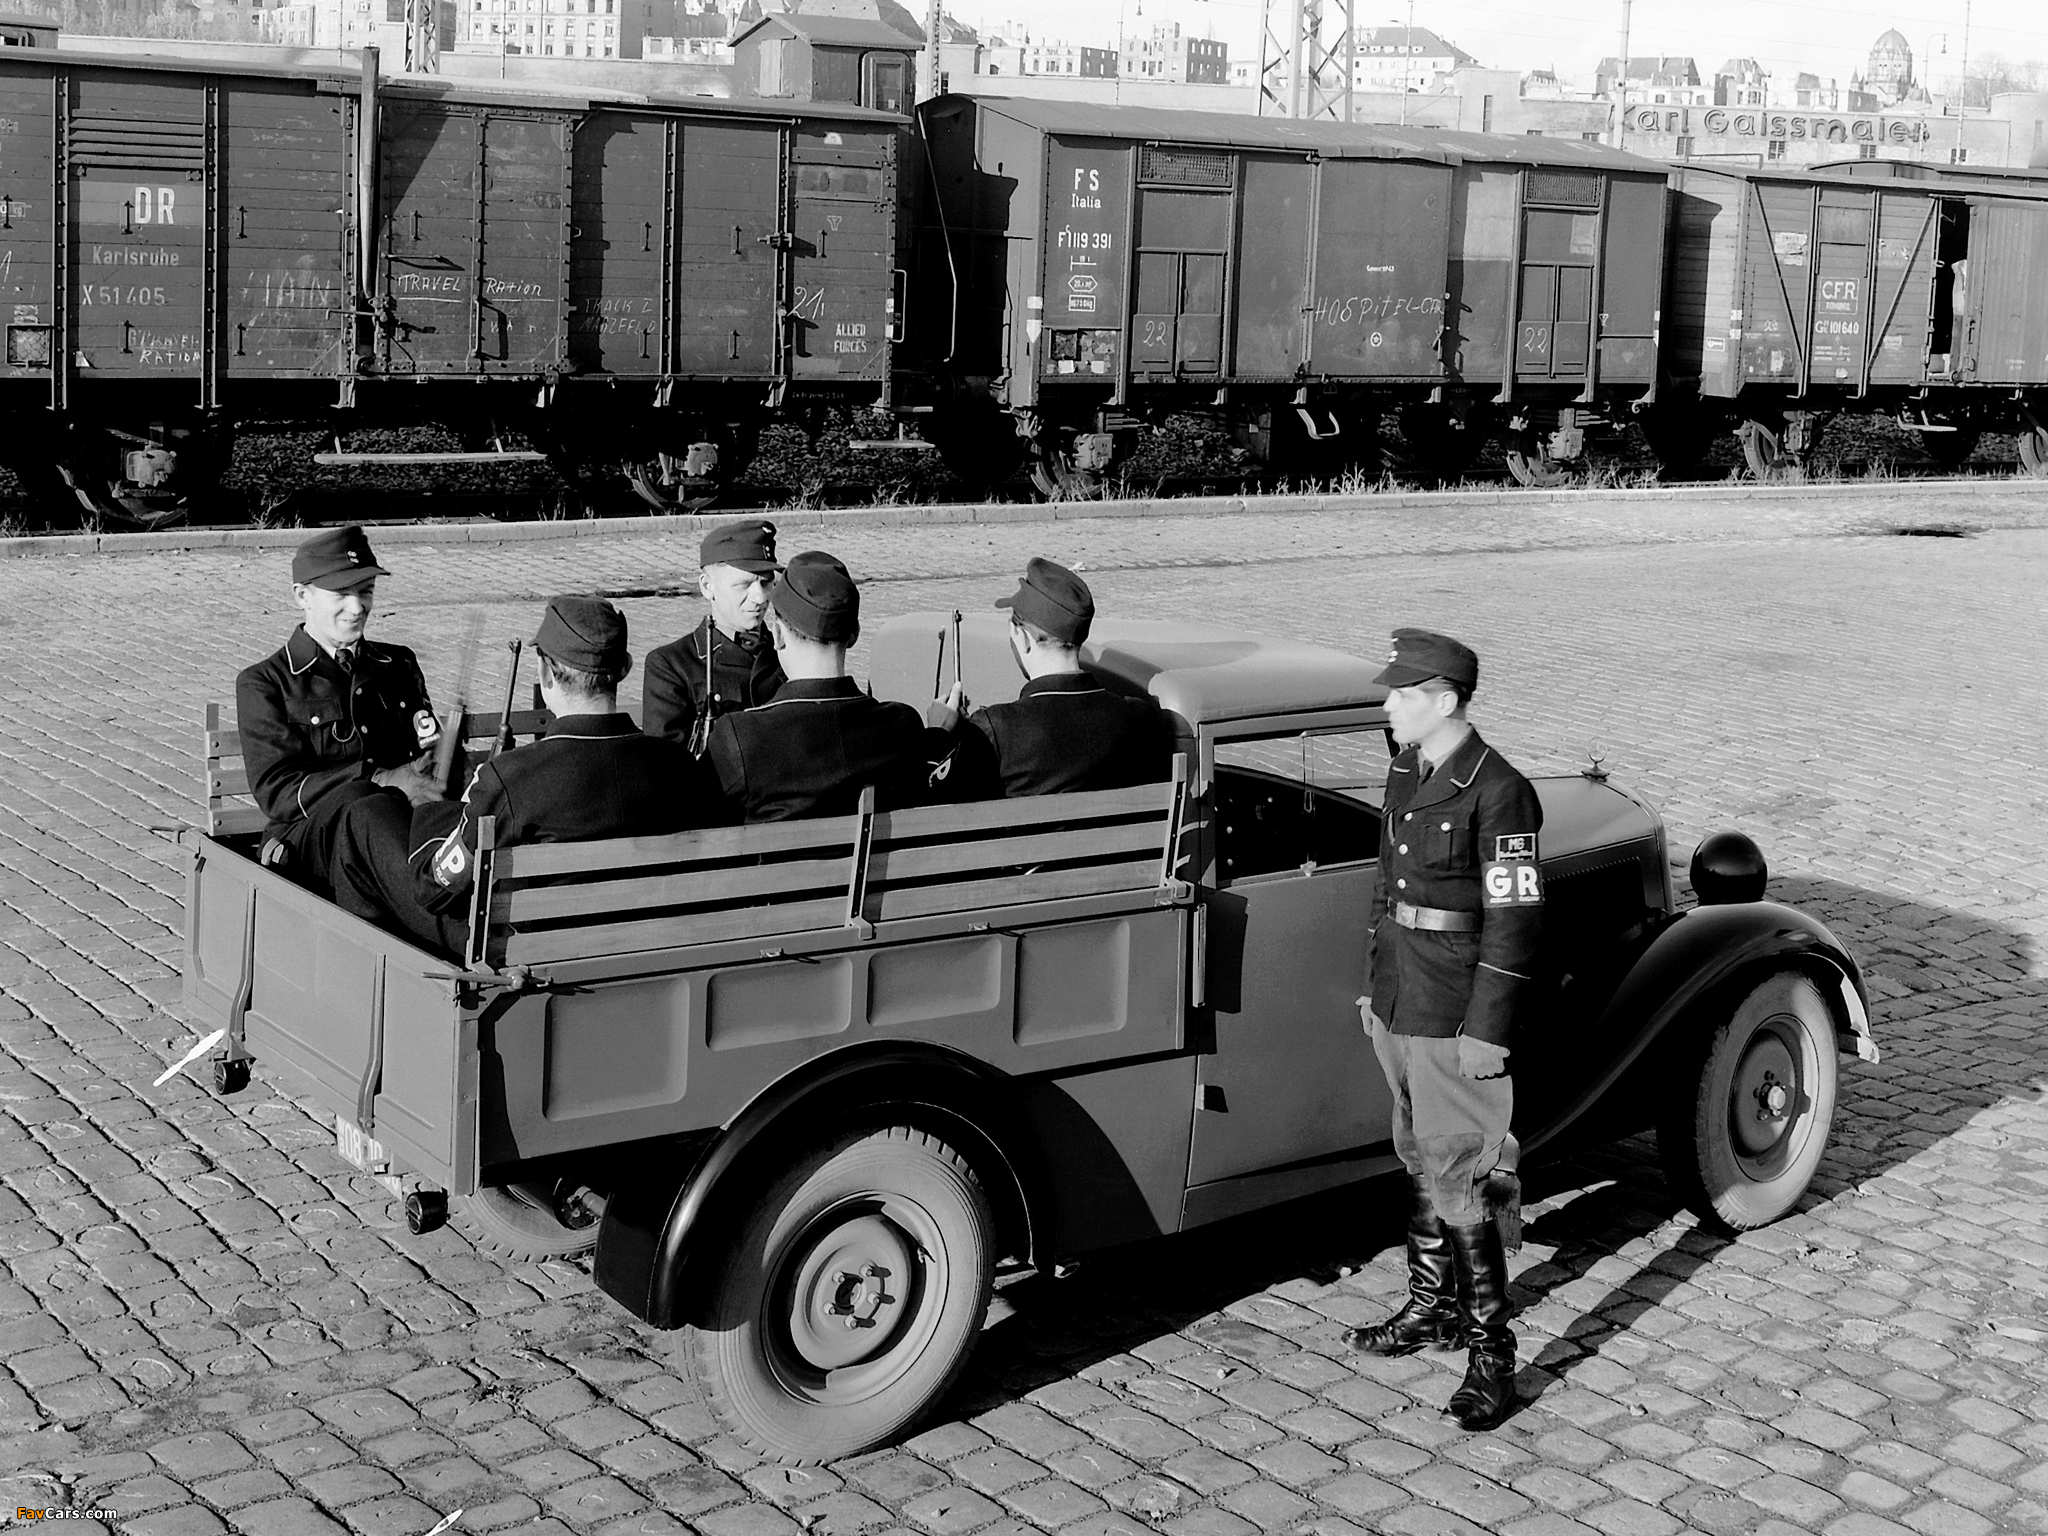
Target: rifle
<point>504,737</point>
<point>452,721</point>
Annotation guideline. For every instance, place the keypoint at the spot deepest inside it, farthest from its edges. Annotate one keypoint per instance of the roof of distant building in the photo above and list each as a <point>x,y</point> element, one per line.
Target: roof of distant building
<point>1656,68</point>
<point>1415,40</point>
<point>836,31</point>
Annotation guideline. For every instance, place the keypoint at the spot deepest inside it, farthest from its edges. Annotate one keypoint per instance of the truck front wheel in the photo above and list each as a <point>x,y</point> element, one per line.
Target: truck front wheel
<point>1742,1136</point>
<point>849,1297</point>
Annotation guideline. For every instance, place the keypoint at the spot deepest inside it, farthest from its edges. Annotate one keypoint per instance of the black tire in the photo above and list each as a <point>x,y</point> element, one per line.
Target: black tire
<point>503,1223</point>
<point>1740,1138</point>
<point>849,1297</point>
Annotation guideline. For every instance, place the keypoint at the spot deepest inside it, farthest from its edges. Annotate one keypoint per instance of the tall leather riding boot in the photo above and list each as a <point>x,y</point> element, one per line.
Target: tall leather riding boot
<point>1429,1317</point>
<point>1488,1390</point>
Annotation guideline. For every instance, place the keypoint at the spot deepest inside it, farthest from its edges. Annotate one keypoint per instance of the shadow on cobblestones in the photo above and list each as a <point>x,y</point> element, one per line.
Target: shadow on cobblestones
<point>1609,1249</point>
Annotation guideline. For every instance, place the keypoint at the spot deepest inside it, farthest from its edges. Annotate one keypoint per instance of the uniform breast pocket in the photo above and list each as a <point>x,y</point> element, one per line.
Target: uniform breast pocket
<point>1449,842</point>
<point>323,722</point>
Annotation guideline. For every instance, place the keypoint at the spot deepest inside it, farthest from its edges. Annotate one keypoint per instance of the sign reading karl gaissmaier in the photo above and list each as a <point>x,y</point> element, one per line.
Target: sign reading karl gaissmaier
<point>1759,123</point>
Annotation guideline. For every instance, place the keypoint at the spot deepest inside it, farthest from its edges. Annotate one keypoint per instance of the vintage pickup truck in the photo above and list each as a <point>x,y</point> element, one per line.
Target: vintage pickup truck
<point>798,1088</point>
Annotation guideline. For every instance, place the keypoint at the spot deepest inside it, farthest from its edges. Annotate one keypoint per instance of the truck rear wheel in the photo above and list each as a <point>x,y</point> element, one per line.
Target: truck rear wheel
<point>520,1223</point>
<point>1740,1139</point>
<point>849,1298</point>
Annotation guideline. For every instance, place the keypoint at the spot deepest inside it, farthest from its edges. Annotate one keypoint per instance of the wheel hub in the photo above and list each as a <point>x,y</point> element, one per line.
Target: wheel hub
<point>1766,1092</point>
<point>848,1301</point>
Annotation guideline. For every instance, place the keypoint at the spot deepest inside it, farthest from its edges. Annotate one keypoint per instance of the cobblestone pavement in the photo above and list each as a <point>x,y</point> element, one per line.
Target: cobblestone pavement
<point>207,1321</point>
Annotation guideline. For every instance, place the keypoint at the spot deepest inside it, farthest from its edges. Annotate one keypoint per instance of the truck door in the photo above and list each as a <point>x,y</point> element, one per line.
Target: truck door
<point>1292,1075</point>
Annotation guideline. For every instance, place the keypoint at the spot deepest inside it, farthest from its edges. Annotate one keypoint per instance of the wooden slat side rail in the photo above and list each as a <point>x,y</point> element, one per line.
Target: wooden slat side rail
<point>1002,815</point>
<point>532,861</point>
<point>896,865</point>
<point>234,820</point>
<point>696,888</point>
<point>577,943</point>
<point>895,904</point>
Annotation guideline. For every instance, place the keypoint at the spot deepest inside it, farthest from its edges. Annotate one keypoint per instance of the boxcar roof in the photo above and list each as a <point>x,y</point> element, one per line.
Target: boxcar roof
<point>1337,140</point>
<point>1205,674</point>
<point>2018,187</point>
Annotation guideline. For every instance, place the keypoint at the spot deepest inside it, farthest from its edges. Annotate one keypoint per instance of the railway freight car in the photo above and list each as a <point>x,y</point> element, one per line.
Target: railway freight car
<point>1795,295</point>
<point>632,281</point>
<point>1086,269</point>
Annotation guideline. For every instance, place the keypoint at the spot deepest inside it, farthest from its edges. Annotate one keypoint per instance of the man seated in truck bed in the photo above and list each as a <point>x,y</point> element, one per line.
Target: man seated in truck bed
<point>813,748</point>
<point>594,774</point>
<point>333,720</point>
<point>1064,731</point>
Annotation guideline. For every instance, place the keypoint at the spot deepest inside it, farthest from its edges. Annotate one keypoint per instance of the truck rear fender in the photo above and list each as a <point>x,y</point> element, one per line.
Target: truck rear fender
<point>1697,954</point>
<point>658,1227</point>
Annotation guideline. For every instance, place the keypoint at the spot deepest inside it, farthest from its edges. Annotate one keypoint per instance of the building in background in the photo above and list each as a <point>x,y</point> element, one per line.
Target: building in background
<point>1013,48</point>
<point>548,29</point>
<point>1403,59</point>
<point>1658,80</point>
<point>1741,83</point>
<point>1173,56</point>
<point>687,37</point>
<point>1888,73</point>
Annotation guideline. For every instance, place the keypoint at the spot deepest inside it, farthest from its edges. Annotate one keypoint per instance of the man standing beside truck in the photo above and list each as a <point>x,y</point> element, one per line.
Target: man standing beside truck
<point>1460,912</point>
<point>727,662</point>
<point>593,774</point>
<point>332,719</point>
<point>1064,731</point>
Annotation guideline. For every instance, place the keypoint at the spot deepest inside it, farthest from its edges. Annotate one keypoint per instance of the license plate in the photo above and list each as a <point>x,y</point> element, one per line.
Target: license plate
<point>365,1152</point>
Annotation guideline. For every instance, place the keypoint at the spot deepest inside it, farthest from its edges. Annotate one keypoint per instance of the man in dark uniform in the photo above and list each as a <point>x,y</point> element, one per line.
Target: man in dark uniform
<point>594,774</point>
<point>1460,912</point>
<point>1064,731</point>
<point>726,662</point>
<point>332,719</point>
<point>811,749</point>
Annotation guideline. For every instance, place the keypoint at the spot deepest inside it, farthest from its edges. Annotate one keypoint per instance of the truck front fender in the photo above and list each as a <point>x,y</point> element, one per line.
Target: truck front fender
<point>1697,953</point>
<point>658,1226</point>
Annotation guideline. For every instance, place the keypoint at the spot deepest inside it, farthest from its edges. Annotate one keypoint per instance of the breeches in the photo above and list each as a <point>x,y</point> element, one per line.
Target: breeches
<point>373,878</point>
<point>1451,1131</point>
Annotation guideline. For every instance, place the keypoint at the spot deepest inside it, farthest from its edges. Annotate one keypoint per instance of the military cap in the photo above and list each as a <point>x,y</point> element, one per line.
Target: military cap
<point>749,546</point>
<point>1055,599</point>
<point>817,598</point>
<point>586,633</point>
<point>338,559</point>
<point>1418,655</point>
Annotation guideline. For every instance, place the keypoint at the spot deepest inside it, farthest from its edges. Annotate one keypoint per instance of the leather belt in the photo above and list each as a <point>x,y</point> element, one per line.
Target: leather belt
<point>1435,919</point>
